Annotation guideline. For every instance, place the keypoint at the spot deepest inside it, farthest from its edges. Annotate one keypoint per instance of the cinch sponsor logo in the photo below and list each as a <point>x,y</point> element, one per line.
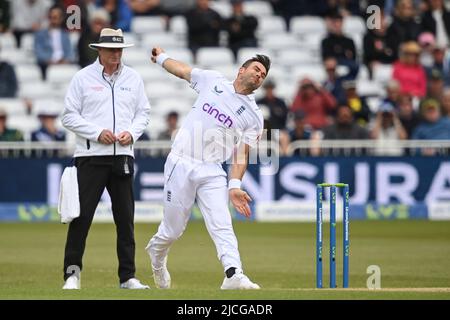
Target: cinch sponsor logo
<point>222,117</point>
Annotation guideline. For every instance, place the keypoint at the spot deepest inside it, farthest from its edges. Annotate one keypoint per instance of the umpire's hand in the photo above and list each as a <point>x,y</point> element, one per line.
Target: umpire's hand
<point>240,199</point>
<point>107,137</point>
<point>125,138</point>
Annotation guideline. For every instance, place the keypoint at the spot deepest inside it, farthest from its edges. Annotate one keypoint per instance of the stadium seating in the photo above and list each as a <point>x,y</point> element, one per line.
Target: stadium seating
<point>260,9</point>
<point>246,53</point>
<point>7,41</point>
<point>282,41</point>
<point>354,25</point>
<point>211,57</point>
<point>136,56</point>
<point>26,124</point>
<point>369,88</point>
<point>13,107</point>
<point>223,8</point>
<point>28,42</point>
<point>382,72</point>
<point>145,24</point>
<point>308,25</point>
<point>270,25</point>
<point>60,74</point>
<point>178,26</point>
<point>181,54</point>
<point>163,39</point>
<point>18,56</point>
<point>27,73</point>
<point>35,90</point>
<point>294,57</point>
<point>314,72</point>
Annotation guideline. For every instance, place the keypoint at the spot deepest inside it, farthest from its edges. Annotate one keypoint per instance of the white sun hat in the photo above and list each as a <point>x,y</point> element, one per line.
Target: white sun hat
<point>110,38</point>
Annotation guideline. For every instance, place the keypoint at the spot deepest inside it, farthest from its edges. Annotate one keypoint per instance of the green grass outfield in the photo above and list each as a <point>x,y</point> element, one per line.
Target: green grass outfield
<point>413,257</point>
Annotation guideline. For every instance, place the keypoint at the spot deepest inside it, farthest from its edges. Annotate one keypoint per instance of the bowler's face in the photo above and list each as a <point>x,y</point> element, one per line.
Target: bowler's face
<point>110,55</point>
<point>253,76</point>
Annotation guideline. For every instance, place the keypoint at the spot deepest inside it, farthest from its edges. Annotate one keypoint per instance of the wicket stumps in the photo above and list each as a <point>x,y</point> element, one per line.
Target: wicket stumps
<point>319,233</point>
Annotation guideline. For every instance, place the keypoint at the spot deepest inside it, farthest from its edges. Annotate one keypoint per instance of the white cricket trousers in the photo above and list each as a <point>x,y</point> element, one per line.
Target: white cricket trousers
<point>184,182</point>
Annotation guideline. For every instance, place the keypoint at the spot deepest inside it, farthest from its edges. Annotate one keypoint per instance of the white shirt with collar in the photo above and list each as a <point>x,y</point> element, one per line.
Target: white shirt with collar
<point>93,103</point>
<point>219,120</point>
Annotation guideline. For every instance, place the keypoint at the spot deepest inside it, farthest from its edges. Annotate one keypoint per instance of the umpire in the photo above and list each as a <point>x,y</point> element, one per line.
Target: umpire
<point>106,107</point>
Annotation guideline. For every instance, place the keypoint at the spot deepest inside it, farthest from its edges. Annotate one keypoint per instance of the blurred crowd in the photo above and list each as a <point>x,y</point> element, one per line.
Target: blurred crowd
<point>413,37</point>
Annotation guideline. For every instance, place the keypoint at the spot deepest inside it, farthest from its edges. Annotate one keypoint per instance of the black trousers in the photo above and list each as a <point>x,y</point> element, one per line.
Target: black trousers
<point>94,174</point>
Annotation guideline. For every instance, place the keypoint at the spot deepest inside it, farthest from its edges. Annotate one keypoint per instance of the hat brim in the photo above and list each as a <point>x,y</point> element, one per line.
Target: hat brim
<point>95,46</point>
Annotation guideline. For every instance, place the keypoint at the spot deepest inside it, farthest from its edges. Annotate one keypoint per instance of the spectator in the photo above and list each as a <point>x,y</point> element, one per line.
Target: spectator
<point>291,8</point>
<point>445,104</point>
<point>393,92</point>
<point>404,27</point>
<point>204,25</point>
<point>344,7</point>
<point>316,102</point>
<point>361,111</point>
<point>301,131</point>
<point>146,7</point>
<point>333,83</point>
<point>336,44</point>
<point>408,71</point>
<point>27,16</point>
<point>407,115</point>
<point>119,12</point>
<point>433,126</point>
<point>52,45</point>
<point>48,130</point>
<point>437,21</point>
<point>427,43</point>
<point>435,85</point>
<point>169,133</point>
<point>387,129</point>
<point>241,28</point>
<point>377,47</point>
<point>98,20</point>
<point>177,7</point>
<point>5,18</point>
<point>278,110</point>
<point>439,63</point>
<point>7,134</point>
<point>8,80</point>
<point>172,126</point>
<point>345,128</point>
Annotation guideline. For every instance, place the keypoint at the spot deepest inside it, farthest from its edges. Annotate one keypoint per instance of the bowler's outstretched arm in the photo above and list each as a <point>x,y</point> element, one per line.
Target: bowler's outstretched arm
<point>177,68</point>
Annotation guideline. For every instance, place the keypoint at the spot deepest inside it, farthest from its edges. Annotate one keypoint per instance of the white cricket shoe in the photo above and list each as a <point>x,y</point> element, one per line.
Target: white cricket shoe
<point>72,283</point>
<point>133,284</point>
<point>162,276</point>
<point>239,281</point>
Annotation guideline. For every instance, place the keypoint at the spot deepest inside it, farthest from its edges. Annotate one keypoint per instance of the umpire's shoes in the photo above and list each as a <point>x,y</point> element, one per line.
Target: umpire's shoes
<point>162,276</point>
<point>72,283</point>
<point>239,281</point>
<point>133,283</point>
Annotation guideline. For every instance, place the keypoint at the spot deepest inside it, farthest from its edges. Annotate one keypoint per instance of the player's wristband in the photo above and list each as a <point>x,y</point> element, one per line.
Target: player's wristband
<point>161,58</point>
<point>234,184</point>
